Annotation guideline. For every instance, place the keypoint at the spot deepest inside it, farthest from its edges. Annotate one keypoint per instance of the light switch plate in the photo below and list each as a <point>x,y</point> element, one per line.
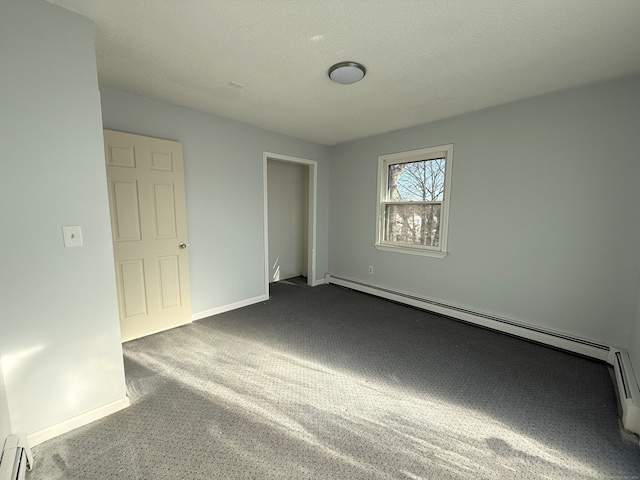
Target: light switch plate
<point>72,235</point>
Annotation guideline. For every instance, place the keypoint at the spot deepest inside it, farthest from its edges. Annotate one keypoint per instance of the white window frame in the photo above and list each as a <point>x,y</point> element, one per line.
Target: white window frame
<point>384,161</point>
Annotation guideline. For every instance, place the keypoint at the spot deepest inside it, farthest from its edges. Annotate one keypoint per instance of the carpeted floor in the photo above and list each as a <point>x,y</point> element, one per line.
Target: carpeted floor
<point>326,383</point>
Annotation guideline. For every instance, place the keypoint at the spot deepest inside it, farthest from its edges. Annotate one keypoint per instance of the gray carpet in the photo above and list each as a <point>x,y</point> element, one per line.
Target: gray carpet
<point>328,383</point>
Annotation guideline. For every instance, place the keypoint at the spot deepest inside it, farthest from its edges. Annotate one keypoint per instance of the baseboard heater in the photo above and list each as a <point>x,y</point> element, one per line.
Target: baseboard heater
<point>628,390</point>
<point>16,458</point>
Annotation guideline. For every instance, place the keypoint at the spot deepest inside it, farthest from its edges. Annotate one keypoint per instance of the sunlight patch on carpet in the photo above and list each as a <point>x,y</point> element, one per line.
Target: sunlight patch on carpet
<point>335,411</point>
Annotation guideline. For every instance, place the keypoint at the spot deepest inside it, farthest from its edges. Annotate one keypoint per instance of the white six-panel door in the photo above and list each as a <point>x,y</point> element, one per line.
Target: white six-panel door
<point>148,221</point>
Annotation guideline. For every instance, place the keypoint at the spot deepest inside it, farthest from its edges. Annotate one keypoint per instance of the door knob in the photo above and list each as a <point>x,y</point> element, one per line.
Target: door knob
<point>183,245</point>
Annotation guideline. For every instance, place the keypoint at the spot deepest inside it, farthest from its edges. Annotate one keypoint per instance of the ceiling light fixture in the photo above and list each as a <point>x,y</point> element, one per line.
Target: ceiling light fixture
<point>347,72</point>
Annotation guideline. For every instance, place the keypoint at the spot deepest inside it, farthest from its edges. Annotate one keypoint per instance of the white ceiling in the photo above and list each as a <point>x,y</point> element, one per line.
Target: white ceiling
<point>425,60</point>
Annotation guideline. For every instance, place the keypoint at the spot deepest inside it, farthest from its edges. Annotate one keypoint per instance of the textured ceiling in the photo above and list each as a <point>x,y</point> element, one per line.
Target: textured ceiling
<point>425,60</point>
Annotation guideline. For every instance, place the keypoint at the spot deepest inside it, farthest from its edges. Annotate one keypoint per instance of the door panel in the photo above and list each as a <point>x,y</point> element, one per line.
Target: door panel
<point>126,211</point>
<point>134,296</point>
<point>161,161</point>
<point>148,215</point>
<point>121,157</point>
<point>169,281</point>
<point>164,210</point>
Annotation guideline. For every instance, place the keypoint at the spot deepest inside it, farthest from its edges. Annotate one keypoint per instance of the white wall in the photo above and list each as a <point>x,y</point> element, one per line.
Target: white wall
<point>60,348</point>
<point>224,192</point>
<point>287,207</point>
<point>544,212</point>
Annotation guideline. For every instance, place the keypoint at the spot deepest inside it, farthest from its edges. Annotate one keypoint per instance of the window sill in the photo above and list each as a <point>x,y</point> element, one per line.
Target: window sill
<point>410,251</point>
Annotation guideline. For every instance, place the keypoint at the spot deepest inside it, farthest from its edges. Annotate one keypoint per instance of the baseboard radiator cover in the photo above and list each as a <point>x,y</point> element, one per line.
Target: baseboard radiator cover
<point>16,458</point>
<point>504,325</point>
<point>628,390</point>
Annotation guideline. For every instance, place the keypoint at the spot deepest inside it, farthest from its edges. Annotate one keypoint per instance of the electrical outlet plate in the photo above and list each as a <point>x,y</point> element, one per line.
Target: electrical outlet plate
<point>72,235</point>
<point>370,269</point>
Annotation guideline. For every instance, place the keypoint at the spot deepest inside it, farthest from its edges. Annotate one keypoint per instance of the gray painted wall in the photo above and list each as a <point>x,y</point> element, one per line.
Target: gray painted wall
<point>224,192</point>
<point>288,205</point>
<point>544,212</point>
<point>60,341</point>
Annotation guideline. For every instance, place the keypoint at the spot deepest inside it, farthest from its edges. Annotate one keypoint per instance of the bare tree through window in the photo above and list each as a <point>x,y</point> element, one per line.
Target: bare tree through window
<point>414,202</point>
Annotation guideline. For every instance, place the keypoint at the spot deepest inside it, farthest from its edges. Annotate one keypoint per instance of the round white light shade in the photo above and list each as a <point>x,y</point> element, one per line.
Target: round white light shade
<point>347,72</point>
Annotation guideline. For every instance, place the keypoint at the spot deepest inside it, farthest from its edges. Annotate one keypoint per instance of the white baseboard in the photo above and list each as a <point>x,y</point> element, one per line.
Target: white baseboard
<point>229,307</point>
<point>512,327</point>
<point>628,389</point>
<point>316,282</point>
<point>78,421</point>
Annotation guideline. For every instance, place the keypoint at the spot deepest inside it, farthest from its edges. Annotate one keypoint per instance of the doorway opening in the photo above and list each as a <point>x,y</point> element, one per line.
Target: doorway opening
<point>290,195</point>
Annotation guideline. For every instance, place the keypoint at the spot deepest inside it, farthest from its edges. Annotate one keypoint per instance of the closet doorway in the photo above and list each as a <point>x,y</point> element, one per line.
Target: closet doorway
<point>290,186</point>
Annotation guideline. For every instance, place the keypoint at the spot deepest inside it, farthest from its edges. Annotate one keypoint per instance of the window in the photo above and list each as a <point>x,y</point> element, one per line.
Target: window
<point>413,201</point>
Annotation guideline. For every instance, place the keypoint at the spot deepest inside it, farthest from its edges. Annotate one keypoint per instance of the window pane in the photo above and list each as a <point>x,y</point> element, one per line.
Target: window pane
<point>413,224</point>
<point>421,181</point>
